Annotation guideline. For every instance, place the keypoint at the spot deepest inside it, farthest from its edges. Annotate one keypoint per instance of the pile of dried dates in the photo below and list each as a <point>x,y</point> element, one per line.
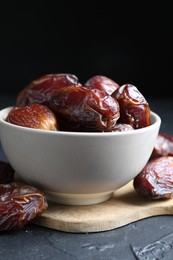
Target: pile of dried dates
<point>60,102</point>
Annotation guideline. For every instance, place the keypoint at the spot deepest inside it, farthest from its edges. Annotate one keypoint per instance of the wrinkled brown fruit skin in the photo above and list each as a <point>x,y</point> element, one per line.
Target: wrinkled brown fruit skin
<point>19,204</point>
<point>83,109</point>
<point>134,109</point>
<point>155,181</point>
<point>102,83</point>
<point>6,172</point>
<point>163,146</point>
<point>33,115</point>
<point>41,90</point>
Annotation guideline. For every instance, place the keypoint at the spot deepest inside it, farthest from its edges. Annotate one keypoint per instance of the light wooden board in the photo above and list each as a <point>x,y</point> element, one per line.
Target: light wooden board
<point>125,207</point>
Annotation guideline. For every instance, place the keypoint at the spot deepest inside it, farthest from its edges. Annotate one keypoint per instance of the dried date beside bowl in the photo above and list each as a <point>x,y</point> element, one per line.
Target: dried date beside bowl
<point>19,205</point>
<point>155,181</point>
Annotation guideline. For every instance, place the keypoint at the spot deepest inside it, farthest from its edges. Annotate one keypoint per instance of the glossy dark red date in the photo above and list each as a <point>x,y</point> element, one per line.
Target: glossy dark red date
<point>34,115</point>
<point>19,204</point>
<point>83,109</point>
<point>134,109</point>
<point>163,146</point>
<point>41,90</point>
<point>102,83</point>
<point>156,179</point>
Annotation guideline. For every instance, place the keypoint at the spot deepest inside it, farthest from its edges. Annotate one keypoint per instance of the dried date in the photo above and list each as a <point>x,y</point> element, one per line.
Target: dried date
<point>83,109</point>
<point>6,172</point>
<point>155,181</point>
<point>163,146</point>
<point>33,116</point>
<point>19,204</point>
<point>102,83</point>
<point>134,109</point>
<point>40,90</point>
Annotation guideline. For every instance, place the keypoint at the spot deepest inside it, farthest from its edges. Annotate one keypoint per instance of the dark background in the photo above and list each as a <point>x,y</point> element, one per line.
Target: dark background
<point>128,41</point>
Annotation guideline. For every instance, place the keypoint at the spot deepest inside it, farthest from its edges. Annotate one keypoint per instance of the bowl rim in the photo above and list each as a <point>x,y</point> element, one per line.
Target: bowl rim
<point>155,122</point>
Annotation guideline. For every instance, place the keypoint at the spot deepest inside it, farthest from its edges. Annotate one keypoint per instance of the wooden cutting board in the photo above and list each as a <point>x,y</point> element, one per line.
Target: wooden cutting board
<point>125,207</point>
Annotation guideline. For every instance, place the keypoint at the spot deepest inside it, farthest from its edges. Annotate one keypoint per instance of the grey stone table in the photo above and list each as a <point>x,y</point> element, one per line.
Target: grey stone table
<point>150,238</point>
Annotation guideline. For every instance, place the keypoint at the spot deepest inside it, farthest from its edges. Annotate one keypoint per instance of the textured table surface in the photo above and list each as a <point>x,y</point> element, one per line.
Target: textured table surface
<point>150,238</point>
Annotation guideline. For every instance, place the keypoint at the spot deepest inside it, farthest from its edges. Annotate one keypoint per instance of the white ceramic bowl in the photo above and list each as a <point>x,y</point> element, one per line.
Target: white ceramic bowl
<point>77,168</point>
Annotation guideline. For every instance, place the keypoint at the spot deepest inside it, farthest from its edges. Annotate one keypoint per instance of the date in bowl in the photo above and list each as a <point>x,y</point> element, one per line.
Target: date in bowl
<point>77,168</point>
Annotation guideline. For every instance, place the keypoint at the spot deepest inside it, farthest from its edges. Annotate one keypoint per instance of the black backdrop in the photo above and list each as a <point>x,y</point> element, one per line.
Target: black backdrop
<point>130,42</point>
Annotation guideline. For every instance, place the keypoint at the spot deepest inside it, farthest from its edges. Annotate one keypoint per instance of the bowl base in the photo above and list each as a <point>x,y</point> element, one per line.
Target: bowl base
<point>78,199</point>
<point>74,199</point>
